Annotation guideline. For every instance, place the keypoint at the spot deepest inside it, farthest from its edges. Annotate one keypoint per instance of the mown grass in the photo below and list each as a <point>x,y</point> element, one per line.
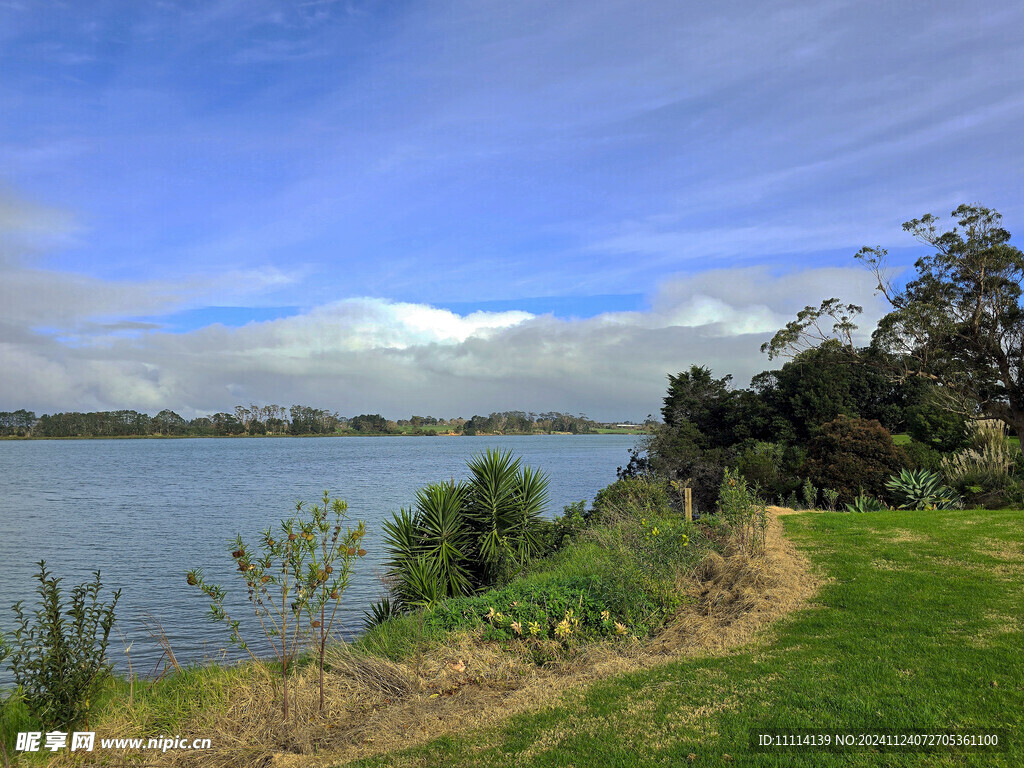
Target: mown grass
<point>917,628</point>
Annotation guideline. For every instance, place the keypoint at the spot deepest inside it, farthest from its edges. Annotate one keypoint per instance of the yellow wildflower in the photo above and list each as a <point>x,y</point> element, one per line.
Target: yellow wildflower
<point>534,628</point>
<point>605,615</point>
<point>620,628</point>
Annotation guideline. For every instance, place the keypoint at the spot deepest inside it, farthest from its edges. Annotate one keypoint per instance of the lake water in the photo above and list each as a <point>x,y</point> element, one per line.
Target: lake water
<point>145,511</point>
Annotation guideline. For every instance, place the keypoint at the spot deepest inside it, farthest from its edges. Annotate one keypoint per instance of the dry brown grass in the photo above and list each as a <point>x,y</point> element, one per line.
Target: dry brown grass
<point>1010,551</point>
<point>376,706</point>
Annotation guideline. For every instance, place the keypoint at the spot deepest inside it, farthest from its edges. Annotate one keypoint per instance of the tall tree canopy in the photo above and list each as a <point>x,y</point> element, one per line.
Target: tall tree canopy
<point>958,323</point>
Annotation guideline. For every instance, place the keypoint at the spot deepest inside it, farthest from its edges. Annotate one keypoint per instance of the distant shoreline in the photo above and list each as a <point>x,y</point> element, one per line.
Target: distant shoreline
<point>14,438</point>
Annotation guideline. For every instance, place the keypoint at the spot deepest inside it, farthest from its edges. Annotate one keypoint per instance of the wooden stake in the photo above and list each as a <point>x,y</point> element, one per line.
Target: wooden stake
<point>689,504</point>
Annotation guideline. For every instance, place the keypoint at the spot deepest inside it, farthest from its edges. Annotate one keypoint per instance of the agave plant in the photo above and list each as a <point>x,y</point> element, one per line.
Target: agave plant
<point>922,489</point>
<point>866,504</point>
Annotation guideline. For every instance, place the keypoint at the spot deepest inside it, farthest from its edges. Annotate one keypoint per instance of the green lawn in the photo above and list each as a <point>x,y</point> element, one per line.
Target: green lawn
<point>918,628</point>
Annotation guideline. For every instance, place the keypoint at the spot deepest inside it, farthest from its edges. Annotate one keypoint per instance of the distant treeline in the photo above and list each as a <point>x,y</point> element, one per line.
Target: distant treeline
<point>277,420</point>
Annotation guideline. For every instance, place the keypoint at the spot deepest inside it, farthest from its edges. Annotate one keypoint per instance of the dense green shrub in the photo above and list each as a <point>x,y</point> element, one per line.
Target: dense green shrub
<point>851,455</point>
<point>59,654</point>
<point>934,424</point>
<point>566,528</point>
<point>745,514</point>
<point>771,467</point>
<point>920,455</point>
<point>631,496</point>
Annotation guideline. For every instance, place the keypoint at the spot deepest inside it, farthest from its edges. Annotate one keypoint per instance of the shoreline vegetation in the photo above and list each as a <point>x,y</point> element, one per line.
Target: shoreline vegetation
<point>27,438</point>
<point>296,421</point>
<point>621,586</point>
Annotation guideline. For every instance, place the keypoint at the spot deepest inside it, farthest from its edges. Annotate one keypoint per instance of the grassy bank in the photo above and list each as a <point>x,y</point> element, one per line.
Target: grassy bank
<point>917,628</point>
<point>614,575</point>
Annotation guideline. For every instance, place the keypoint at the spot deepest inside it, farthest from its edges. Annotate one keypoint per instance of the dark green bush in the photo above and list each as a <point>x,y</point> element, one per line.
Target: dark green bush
<point>933,423</point>
<point>921,456</point>
<point>566,528</point>
<point>771,467</point>
<point>851,456</point>
<point>59,654</point>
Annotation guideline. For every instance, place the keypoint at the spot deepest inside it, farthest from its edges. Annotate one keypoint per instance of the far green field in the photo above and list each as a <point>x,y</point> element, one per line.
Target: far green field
<point>917,628</point>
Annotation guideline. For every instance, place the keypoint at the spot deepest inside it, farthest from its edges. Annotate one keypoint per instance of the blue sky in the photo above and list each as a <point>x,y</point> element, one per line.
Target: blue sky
<point>402,182</point>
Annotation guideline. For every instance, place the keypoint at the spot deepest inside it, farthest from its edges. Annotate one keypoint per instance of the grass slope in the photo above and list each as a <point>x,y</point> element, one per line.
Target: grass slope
<point>917,628</point>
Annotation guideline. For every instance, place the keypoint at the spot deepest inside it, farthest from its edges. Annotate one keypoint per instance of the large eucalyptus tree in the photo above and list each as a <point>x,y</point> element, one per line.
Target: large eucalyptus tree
<point>958,322</point>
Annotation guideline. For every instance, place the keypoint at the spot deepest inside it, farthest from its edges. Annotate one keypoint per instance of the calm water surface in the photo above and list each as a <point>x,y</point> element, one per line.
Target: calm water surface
<point>145,511</point>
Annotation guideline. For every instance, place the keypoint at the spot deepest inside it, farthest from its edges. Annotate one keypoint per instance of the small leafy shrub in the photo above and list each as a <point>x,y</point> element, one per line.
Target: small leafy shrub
<point>566,528</point>
<point>810,494</point>
<point>59,657</point>
<point>1013,494</point>
<point>922,489</point>
<point>745,514</point>
<point>830,496</point>
<point>848,454</point>
<point>864,503</point>
<point>295,578</point>
<point>643,495</point>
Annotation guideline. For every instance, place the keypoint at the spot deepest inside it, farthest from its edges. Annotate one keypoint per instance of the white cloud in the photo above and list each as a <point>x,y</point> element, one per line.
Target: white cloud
<point>360,355</point>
